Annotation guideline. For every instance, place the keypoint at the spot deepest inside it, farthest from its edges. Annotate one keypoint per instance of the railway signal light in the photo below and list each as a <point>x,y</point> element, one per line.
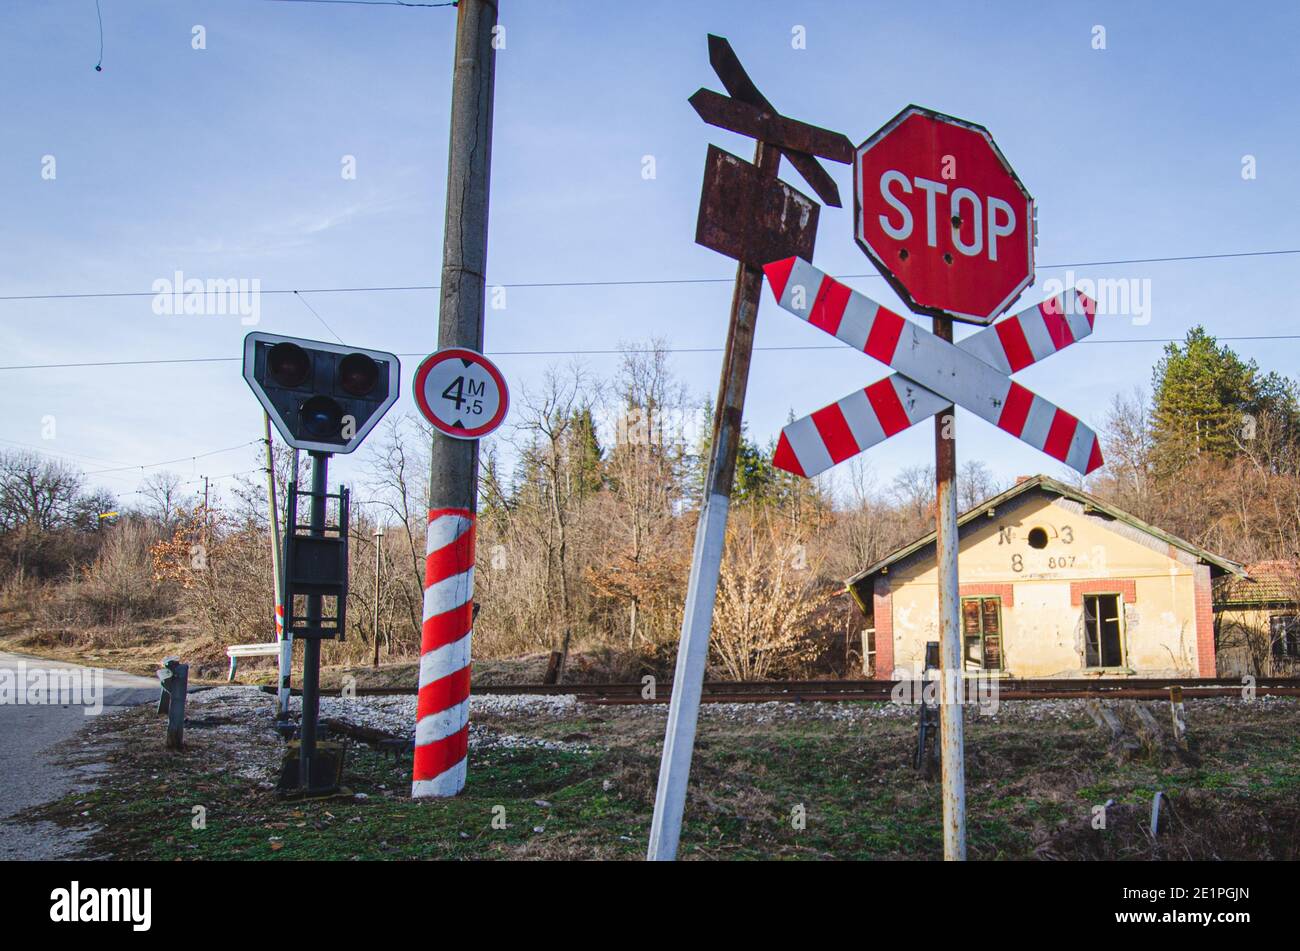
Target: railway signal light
<point>323,397</point>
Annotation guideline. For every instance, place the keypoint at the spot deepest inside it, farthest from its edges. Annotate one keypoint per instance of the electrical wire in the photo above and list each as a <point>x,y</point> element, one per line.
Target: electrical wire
<point>99,64</point>
<point>641,282</point>
<point>595,353</point>
<point>373,3</point>
<point>318,317</point>
<point>168,462</point>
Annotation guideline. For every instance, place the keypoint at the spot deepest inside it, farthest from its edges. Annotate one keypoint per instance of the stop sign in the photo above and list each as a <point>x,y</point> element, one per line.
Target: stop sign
<point>941,214</point>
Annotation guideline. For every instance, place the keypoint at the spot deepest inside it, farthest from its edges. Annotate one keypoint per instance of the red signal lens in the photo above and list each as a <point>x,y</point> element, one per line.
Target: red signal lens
<point>288,364</point>
<point>358,374</point>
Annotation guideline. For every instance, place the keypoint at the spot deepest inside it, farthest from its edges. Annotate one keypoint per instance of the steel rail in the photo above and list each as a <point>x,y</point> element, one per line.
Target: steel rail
<point>797,691</point>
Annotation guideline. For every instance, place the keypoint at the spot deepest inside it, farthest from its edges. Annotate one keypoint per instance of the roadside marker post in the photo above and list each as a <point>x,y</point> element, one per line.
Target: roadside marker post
<point>464,396</point>
<point>748,214</point>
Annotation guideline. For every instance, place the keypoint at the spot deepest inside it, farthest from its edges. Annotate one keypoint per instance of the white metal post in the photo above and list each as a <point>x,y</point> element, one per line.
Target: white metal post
<point>688,680</point>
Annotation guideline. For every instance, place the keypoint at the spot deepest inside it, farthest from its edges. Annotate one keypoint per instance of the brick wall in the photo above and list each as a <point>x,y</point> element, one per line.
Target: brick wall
<point>1125,586</point>
<point>882,609</point>
<point>1205,658</point>
<point>1004,591</point>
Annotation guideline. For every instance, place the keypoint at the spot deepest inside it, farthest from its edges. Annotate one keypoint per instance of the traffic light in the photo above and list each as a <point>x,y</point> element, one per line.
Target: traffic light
<point>323,397</point>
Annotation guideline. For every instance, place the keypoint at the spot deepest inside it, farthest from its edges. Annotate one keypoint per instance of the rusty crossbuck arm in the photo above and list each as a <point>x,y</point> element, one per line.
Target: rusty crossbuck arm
<point>798,141</point>
<point>932,373</point>
<point>738,116</point>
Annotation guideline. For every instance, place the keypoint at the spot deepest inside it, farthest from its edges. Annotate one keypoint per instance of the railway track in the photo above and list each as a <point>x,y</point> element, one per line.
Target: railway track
<point>808,691</point>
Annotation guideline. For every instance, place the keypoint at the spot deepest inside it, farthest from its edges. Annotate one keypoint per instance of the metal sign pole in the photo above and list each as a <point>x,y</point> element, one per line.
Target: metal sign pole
<point>951,740</point>
<point>706,562</point>
<point>748,214</point>
<point>311,646</point>
<point>281,635</point>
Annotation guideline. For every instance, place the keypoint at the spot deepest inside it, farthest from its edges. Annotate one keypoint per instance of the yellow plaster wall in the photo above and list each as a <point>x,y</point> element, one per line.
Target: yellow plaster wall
<point>1043,631</point>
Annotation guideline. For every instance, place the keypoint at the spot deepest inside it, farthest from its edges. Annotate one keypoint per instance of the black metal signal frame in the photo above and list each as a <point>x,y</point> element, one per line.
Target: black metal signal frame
<point>316,565</point>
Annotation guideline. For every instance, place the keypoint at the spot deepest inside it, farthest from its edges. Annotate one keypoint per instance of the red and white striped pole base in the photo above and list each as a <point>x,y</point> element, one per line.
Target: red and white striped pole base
<point>442,711</point>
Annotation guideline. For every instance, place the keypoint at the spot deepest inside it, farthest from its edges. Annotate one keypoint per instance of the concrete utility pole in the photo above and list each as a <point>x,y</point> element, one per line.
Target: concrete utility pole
<point>453,474</point>
<point>952,745</point>
<point>453,466</point>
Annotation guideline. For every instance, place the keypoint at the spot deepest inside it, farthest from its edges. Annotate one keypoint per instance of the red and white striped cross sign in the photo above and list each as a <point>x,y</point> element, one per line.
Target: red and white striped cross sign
<point>932,373</point>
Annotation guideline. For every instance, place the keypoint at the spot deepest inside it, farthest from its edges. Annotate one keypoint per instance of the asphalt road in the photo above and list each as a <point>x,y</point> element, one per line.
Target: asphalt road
<point>29,773</point>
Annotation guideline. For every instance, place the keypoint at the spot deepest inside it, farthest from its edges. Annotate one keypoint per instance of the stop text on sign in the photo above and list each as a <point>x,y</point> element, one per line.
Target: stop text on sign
<point>963,209</point>
<point>943,216</point>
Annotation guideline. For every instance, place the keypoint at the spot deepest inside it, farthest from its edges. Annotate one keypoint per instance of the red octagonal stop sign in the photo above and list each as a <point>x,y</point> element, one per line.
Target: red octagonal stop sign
<point>939,211</point>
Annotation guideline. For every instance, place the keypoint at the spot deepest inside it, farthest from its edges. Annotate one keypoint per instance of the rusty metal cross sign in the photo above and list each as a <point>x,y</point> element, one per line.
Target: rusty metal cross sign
<point>748,214</point>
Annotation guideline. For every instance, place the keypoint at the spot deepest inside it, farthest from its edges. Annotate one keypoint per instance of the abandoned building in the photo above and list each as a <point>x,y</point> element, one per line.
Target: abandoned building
<point>1053,583</point>
<point>1257,619</point>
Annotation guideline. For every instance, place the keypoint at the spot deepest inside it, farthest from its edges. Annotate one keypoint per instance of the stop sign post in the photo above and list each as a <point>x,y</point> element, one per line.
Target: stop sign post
<point>943,216</point>
<point>948,224</point>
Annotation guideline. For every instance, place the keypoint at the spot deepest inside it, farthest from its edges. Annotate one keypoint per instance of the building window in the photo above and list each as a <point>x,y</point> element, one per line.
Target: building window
<point>981,626</point>
<point>1284,635</point>
<point>1103,630</point>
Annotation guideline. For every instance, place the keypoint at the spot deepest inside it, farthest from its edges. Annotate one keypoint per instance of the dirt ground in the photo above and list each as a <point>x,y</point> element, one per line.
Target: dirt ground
<point>551,777</point>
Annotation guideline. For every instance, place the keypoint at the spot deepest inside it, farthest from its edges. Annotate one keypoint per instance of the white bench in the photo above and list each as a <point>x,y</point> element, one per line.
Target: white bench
<point>236,651</point>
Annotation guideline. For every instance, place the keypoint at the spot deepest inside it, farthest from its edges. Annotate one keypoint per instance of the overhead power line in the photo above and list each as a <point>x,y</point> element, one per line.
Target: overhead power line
<point>75,457</point>
<point>640,282</point>
<point>298,294</point>
<point>373,3</point>
<point>593,353</point>
<point>168,462</point>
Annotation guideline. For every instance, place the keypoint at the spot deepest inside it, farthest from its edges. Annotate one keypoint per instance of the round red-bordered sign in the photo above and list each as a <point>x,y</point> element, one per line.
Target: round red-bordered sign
<point>461,392</point>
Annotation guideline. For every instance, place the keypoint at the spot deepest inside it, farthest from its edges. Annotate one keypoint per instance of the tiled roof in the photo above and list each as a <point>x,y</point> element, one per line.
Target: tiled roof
<point>1267,582</point>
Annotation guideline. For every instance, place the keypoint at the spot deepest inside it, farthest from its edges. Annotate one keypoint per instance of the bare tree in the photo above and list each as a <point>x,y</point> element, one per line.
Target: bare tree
<point>646,465</point>
<point>398,486</point>
<point>162,498</point>
<point>765,605</point>
<point>913,487</point>
<point>1127,441</point>
<point>545,421</point>
<point>38,492</point>
<point>975,483</point>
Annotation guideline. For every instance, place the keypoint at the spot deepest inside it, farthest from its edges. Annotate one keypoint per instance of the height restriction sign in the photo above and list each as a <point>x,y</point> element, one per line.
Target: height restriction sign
<point>461,392</point>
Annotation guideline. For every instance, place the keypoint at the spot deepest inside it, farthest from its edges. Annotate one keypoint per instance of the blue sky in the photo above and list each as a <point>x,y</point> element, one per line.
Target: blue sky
<point>225,163</point>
